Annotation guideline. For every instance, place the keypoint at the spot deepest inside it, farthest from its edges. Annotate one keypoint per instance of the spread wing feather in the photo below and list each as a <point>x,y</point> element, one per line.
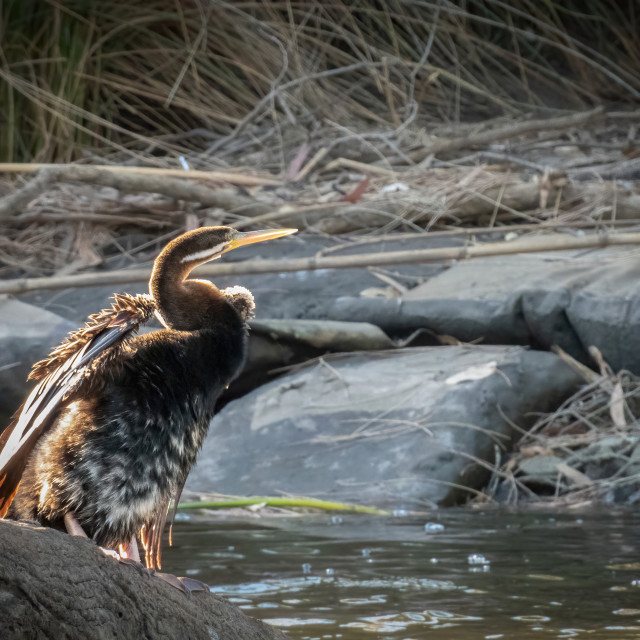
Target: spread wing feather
<point>81,354</point>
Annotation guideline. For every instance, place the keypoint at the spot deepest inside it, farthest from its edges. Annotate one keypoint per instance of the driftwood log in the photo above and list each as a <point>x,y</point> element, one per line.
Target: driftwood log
<point>458,194</point>
<point>127,181</point>
<point>53,585</point>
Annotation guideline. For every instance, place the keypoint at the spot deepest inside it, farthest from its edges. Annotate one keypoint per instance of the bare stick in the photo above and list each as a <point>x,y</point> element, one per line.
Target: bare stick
<point>239,178</point>
<point>511,131</point>
<point>124,181</point>
<point>318,157</point>
<point>555,242</point>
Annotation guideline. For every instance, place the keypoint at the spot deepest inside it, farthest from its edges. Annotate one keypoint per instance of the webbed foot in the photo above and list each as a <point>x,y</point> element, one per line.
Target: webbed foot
<point>186,585</point>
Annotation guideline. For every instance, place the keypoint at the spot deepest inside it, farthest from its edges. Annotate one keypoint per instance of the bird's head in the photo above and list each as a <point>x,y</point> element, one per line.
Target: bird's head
<point>183,303</point>
<point>208,243</point>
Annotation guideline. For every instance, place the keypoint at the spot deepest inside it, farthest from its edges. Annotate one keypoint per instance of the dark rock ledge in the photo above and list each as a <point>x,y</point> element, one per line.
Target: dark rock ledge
<point>53,585</point>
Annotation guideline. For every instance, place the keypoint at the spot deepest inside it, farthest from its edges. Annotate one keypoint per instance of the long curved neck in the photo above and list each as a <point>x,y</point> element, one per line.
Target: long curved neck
<point>185,305</point>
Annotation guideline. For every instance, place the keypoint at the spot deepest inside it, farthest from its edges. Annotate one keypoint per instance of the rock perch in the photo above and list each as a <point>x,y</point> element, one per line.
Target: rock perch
<point>53,585</point>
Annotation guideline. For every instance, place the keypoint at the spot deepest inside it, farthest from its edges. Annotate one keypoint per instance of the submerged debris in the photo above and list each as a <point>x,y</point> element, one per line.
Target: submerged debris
<point>477,558</point>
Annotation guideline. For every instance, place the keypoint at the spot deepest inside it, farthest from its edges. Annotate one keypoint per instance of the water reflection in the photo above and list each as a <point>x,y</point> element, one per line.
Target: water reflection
<point>550,576</point>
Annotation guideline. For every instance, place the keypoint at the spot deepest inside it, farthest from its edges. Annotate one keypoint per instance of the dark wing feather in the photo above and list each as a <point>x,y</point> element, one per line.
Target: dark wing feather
<point>126,313</point>
<point>81,354</point>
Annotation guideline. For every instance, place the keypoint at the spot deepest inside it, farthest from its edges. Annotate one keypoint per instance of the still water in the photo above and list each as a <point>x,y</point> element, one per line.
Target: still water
<point>479,575</point>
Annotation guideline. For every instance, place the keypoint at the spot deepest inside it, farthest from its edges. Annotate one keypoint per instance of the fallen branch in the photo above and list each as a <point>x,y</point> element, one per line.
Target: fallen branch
<point>17,200</point>
<point>503,133</point>
<point>104,218</point>
<point>231,177</point>
<point>127,181</point>
<point>556,242</point>
<point>325,335</point>
<point>625,170</point>
<point>453,194</point>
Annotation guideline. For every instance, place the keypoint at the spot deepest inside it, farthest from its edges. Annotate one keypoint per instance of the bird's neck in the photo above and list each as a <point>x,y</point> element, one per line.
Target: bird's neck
<point>182,304</point>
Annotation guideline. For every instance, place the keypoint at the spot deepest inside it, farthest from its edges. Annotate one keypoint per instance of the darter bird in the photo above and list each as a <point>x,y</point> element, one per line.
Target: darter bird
<point>110,432</point>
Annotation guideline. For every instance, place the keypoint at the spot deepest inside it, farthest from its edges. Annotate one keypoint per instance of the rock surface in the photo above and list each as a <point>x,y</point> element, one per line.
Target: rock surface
<point>278,343</point>
<point>27,333</point>
<point>574,300</point>
<point>386,427</point>
<point>53,585</point>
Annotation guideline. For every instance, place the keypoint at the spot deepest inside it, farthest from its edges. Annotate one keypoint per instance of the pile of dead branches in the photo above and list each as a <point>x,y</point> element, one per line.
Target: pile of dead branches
<point>588,450</point>
<point>514,179</point>
<point>165,78</point>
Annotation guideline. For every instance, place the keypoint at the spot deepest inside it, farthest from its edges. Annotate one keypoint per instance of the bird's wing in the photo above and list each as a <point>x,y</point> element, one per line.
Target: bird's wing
<point>82,353</point>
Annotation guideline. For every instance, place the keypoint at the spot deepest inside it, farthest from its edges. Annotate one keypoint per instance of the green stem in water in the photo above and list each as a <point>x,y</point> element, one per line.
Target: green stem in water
<point>311,503</point>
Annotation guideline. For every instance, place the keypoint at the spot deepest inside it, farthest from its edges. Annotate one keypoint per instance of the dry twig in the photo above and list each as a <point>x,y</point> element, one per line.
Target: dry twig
<point>239,178</point>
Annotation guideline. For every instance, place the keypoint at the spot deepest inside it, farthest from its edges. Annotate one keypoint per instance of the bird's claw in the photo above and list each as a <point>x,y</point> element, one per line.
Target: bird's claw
<point>111,553</point>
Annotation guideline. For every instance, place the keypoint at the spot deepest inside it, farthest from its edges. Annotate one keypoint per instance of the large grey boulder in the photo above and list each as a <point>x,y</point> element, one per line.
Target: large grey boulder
<point>53,585</point>
<point>278,343</point>
<point>387,427</point>
<point>574,300</point>
<point>27,334</point>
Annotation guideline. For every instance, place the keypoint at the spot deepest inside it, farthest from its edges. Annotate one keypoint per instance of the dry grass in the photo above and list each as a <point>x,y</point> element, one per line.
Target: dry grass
<point>331,97</point>
<point>168,77</point>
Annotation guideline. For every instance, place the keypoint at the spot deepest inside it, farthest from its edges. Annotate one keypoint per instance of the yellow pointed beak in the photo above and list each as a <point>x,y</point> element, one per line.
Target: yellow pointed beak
<point>250,237</point>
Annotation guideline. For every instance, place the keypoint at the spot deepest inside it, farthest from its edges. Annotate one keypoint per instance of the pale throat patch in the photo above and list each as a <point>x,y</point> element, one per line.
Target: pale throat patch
<point>205,253</point>
<point>161,319</point>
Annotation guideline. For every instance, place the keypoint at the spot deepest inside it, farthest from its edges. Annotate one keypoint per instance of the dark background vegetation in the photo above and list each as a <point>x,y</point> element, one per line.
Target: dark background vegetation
<point>167,76</point>
<point>514,123</point>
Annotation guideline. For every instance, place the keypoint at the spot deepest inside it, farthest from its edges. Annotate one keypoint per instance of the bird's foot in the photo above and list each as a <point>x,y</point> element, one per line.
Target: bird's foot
<point>130,550</point>
<point>128,554</point>
<point>72,526</point>
<point>186,585</point>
